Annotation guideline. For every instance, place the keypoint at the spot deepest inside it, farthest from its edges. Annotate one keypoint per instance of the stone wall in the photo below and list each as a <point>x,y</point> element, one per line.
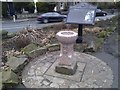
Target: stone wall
<point>22,16</point>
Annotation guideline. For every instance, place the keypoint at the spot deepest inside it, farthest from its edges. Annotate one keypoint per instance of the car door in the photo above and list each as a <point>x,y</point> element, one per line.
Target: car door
<point>50,16</point>
<point>57,17</point>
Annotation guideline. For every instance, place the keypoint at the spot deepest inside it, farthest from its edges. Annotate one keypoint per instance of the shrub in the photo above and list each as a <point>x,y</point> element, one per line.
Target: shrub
<point>3,32</point>
<point>4,10</point>
<point>118,5</point>
<point>30,7</point>
<point>44,7</point>
<point>102,34</point>
<point>21,40</point>
<point>99,42</point>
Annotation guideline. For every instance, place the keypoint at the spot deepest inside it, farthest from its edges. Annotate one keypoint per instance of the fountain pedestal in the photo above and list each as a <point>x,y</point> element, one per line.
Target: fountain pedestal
<point>67,62</point>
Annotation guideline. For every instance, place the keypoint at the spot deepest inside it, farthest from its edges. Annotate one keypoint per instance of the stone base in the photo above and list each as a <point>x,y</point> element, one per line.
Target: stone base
<point>91,72</point>
<point>68,70</point>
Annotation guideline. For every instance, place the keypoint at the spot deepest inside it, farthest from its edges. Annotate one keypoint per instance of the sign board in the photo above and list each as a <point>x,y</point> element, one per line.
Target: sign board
<point>82,13</point>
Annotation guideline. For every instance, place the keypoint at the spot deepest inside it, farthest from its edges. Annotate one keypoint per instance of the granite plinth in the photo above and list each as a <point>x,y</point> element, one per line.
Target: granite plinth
<point>66,69</point>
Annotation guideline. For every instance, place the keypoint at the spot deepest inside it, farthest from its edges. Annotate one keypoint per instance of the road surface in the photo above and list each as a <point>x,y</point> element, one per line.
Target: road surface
<point>104,17</point>
<point>21,24</point>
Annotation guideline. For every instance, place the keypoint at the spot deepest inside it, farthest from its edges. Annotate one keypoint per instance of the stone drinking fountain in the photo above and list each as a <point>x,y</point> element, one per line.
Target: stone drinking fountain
<point>67,63</point>
<point>67,68</point>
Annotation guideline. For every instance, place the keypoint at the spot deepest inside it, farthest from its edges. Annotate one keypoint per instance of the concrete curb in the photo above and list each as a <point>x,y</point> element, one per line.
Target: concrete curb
<point>22,20</point>
<point>18,20</point>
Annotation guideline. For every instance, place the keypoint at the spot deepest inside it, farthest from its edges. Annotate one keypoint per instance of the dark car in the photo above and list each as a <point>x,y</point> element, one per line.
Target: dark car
<point>99,12</point>
<point>51,16</point>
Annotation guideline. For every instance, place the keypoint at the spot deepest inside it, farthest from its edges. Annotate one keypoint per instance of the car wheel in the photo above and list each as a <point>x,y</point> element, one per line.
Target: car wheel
<point>45,21</point>
<point>104,14</point>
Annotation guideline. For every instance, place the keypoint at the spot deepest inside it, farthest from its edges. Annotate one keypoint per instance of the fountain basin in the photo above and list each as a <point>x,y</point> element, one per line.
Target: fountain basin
<point>66,37</point>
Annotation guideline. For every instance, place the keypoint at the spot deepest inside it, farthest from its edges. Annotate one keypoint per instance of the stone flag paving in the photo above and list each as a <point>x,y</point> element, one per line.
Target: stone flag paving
<point>91,73</point>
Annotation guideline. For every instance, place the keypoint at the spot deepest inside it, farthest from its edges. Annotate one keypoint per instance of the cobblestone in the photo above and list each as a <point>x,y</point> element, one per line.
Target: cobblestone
<point>91,73</point>
<point>54,85</point>
<point>81,66</point>
<point>74,86</point>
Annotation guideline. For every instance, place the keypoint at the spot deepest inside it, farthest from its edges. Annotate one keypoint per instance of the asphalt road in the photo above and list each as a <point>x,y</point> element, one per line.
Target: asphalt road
<point>23,23</point>
<point>109,53</point>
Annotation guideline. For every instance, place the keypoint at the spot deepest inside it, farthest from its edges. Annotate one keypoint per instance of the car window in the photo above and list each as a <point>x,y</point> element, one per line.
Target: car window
<point>47,14</point>
<point>56,14</point>
<point>98,10</point>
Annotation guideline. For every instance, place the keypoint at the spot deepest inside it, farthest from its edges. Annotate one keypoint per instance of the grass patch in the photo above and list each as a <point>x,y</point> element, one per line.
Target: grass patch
<point>111,29</point>
<point>99,42</point>
<point>107,32</point>
<point>102,34</point>
<point>3,32</point>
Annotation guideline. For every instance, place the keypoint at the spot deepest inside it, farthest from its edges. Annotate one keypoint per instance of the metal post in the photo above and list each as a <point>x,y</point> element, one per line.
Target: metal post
<point>35,8</point>
<point>14,18</point>
<point>79,39</point>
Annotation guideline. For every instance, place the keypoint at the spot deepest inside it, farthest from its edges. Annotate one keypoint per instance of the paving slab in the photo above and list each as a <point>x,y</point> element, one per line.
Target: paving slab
<point>76,77</point>
<point>90,73</point>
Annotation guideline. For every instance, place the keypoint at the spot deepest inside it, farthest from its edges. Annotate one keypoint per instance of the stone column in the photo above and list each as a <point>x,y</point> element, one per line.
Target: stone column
<point>66,62</point>
<point>66,54</point>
